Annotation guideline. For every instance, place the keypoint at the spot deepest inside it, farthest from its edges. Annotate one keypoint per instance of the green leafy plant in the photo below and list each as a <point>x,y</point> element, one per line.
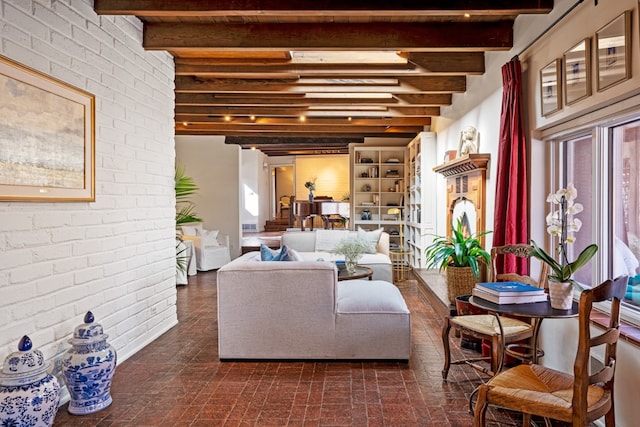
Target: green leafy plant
<point>561,224</point>
<point>311,184</point>
<point>459,250</point>
<point>184,188</point>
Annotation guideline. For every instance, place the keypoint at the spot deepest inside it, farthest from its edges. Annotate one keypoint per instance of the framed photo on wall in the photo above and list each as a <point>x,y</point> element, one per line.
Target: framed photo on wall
<point>47,137</point>
<point>577,72</point>
<point>613,51</point>
<point>551,87</point>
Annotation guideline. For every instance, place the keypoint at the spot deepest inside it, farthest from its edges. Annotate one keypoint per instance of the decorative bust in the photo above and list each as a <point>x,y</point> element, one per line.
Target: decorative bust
<point>468,141</point>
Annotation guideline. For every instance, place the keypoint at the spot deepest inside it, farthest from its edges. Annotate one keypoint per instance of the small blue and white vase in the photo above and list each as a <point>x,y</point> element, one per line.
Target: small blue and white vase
<point>88,368</point>
<point>29,395</point>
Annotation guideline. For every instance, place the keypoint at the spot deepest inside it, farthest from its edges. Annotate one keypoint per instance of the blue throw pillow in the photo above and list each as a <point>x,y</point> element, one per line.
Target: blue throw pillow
<point>282,254</point>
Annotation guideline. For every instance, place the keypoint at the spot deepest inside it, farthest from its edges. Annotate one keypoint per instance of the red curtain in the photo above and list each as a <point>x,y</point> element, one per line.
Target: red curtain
<point>510,224</point>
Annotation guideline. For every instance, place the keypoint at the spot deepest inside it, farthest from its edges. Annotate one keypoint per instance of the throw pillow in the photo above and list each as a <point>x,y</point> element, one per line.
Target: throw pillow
<point>327,240</point>
<point>189,230</point>
<point>371,237</point>
<point>209,237</point>
<point>282,254</point>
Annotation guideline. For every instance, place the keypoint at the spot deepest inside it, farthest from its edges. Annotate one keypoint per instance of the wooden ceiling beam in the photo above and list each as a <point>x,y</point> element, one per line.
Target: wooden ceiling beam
<point>425,84</point>
<point>308,122</point>
<point>191,113</point>
<point>290,133</point>
<point>447,62</point>
<point>284,128</point>
<point>314,8</point>
<point>248,100</point>
<point>461,36</point>
<point>256,140</point>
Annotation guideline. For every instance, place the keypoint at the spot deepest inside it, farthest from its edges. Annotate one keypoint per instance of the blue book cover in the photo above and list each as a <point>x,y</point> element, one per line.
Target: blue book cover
<point>509,288</point>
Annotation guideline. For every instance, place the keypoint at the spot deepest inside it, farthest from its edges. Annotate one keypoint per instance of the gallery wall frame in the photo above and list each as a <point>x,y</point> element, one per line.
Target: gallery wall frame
<point>551,87</point>
<point>577,72</point>
<point>613,52</point>
<point>47,137</point>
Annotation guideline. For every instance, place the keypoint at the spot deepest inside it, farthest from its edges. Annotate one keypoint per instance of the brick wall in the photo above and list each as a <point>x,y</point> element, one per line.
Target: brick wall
<point>114,256</point>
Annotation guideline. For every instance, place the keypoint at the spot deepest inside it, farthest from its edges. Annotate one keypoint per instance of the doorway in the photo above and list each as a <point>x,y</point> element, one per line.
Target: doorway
<point>282,186</point>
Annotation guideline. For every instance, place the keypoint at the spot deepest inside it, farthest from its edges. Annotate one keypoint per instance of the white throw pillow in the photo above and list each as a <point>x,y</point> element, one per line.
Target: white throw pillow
<point>189,230</point>
<point>371,237</point>
<point>327,240</point>
<point>210,237</point>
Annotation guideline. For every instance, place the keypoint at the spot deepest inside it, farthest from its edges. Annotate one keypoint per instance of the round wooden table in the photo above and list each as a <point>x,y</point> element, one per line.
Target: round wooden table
<point>360,272</point>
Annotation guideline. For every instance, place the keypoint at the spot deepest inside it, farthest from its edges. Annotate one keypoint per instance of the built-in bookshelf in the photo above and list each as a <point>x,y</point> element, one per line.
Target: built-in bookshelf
<point>378,188</point>
<point>420,224</point>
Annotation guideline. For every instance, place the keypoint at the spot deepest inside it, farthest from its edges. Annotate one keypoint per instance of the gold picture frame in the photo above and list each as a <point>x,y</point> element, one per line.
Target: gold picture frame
<point>47,137</point>
<point>551,87</point>
<point>577,72</point>
<point>613,52</point>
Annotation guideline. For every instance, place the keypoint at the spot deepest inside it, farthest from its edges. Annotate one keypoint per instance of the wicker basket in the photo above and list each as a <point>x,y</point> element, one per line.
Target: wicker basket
<point>460,281</point>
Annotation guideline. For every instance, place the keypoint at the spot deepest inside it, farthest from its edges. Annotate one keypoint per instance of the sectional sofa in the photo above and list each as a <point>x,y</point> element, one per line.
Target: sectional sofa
<point>299,310</point>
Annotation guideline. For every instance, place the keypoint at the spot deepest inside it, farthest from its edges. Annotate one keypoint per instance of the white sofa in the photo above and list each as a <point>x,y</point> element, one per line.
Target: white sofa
<point>299,310</point>
<point>318,244</point>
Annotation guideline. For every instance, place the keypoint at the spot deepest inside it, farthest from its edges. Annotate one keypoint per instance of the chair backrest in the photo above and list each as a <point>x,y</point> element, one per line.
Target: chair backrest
<point>285,201</point>
<point>522,251</point>
<point>613,290</point>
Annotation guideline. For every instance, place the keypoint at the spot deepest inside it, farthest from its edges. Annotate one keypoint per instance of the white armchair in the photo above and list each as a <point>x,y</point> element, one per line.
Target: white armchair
<point>211,247</point>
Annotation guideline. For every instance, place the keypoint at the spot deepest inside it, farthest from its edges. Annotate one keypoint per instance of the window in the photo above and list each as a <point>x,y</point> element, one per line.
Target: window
<point>603,163</point>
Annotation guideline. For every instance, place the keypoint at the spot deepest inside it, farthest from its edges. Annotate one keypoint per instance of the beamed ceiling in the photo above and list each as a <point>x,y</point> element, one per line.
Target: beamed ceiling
<point>308,77</point>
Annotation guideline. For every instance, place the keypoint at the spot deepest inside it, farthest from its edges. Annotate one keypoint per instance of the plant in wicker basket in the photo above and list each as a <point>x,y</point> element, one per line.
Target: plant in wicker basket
<point>461,256</point>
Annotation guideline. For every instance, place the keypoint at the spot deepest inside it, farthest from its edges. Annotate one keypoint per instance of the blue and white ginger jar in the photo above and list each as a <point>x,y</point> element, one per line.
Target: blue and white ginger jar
<point>29,395</point>
<point>88,368</point>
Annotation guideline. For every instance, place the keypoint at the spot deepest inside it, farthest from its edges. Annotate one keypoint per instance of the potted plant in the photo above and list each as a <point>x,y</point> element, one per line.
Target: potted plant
<point>561,224</point>
<point>461,257</point>
<point>184,188</point>
<point>352,249</point>
<point>311,186</point>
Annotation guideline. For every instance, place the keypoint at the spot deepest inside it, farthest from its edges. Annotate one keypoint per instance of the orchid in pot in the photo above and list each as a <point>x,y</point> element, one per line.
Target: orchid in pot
<point>562,224</point>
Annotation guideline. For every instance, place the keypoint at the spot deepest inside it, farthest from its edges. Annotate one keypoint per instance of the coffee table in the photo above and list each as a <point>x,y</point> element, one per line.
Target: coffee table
<point>360,272</point>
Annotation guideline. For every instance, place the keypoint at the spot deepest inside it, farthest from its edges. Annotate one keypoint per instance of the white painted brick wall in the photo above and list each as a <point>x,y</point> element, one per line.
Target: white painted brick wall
<point>115,256</point>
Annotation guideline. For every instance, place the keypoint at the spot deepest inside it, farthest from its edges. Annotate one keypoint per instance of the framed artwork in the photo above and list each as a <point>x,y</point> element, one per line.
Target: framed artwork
<point>613,52</point>
<point>551,87</point>
<point>47,137</point>
<point>577,72</point>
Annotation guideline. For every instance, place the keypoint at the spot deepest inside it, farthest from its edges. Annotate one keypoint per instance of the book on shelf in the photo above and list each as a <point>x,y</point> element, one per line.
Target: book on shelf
<point>524,298</point>
<point>509,288</point>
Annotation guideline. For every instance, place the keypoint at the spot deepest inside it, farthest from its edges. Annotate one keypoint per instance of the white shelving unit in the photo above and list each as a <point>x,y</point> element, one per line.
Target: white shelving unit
<point>378,184</point>
<point>420,225</point>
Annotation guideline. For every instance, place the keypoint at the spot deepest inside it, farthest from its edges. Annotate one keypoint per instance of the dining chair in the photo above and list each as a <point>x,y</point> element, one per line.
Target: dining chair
<point>577,399</point>
<point>486,326</point>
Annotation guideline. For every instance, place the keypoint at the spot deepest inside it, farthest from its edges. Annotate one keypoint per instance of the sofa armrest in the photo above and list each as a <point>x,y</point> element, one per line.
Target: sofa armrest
<point>223,240</point>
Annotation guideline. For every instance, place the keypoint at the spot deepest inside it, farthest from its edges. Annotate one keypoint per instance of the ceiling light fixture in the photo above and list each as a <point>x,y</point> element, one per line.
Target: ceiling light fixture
<point>227,118</point>
<point>303,119</point>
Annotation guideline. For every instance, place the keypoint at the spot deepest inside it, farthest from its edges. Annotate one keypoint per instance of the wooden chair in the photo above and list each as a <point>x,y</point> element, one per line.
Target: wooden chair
<point>485,326</point>
<point>577,399</point>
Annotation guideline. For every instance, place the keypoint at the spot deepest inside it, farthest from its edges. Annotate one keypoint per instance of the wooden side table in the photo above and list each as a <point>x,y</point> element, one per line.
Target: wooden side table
<point>360,272</point>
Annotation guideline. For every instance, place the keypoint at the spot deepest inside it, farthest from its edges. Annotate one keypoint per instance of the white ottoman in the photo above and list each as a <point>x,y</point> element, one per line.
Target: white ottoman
<point>372,321</point>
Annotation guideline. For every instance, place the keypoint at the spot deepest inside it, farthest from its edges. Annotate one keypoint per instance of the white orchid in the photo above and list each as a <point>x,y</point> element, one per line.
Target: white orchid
<point>561,224</point>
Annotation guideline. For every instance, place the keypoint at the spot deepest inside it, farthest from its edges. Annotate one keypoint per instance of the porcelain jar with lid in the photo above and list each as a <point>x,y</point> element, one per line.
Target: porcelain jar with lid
<point>29,395</point>
<point>88,368</point>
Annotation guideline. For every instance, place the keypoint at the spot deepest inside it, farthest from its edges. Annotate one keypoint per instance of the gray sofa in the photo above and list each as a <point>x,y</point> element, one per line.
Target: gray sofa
<point>299,310</point>
<point>315,245</point>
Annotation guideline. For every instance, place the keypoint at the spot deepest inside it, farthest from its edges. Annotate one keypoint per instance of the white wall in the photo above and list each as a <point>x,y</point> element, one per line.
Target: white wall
<point>114,256</point>
<point>480,106</point>
<point>215,168</point>
<point>254,193</point>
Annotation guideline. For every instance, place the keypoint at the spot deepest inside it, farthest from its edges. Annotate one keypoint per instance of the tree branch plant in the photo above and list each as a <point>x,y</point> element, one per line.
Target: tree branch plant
<point>184,188</point>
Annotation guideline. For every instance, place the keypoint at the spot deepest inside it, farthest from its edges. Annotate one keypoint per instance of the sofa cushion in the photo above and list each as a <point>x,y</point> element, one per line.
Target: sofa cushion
<point>327,240</point>
<point>371,237</point>
<point>365,296</point>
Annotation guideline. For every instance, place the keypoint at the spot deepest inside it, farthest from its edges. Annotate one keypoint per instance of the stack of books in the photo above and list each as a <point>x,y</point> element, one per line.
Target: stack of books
<point>509,292</point>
